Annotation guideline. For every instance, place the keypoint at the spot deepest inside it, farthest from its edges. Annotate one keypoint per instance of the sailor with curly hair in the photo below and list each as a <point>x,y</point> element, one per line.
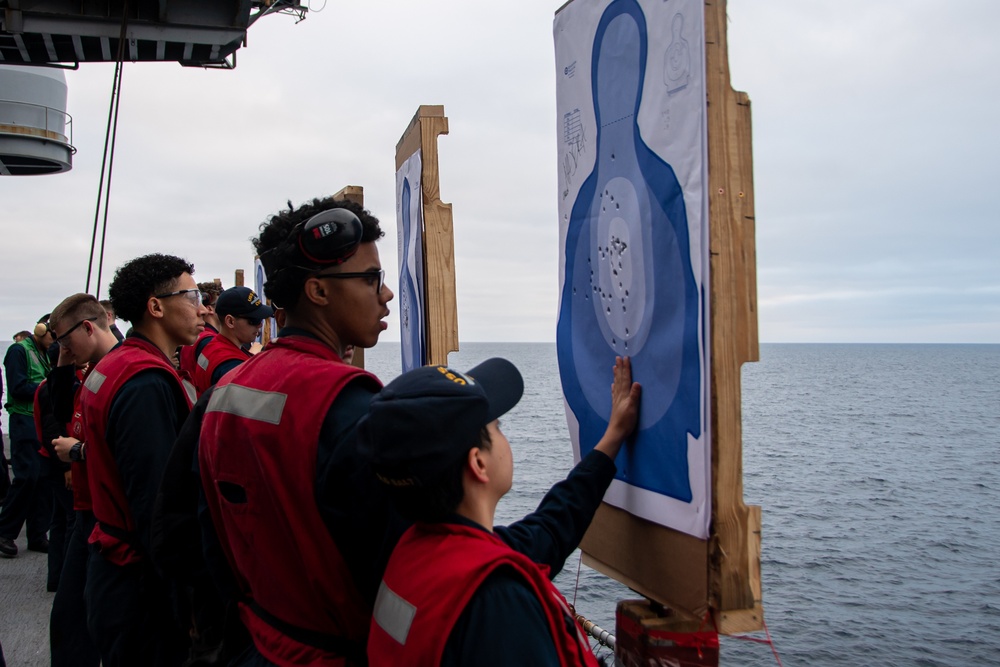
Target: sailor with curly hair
<point>133,404</point>
<point>301,523</point>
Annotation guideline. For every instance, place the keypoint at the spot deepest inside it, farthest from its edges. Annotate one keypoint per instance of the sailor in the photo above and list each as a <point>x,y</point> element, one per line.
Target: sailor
<point>55,479</point>
<point>85,336</point>
<point>133,404</point>
<point>302,524</point>
<point>240,313</point>
<point>457,589</point>
<point>112,319</point>
<point>26,504</point>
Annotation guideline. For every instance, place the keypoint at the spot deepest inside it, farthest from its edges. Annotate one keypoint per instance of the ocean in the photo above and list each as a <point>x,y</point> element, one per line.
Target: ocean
<point>878,471</point>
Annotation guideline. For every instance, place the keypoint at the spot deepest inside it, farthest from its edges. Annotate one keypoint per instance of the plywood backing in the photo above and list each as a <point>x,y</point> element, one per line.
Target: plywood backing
<point>438,233</point>
<point>734,571</point>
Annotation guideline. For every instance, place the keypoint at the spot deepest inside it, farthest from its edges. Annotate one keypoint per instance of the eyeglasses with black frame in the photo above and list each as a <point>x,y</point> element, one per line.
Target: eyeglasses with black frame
<point>376,277</point>
<point>193,295</point>
<point>73,328</point>
<point>252,321</point>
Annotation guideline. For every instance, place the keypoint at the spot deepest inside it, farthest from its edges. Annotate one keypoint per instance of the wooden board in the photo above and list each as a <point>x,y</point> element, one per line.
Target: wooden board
<point>734,573</point>
<point>722,574</point>
<point>438,233</point>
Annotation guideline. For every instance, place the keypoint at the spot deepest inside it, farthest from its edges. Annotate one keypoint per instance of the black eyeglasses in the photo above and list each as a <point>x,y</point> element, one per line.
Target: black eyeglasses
<point>193,295</point>
<point>73,328</point>
<point>252,321</point>
<point>376,277</point>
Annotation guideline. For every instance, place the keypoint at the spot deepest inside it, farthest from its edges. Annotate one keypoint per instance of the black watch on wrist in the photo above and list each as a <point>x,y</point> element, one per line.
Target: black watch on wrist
<point>76,452</point>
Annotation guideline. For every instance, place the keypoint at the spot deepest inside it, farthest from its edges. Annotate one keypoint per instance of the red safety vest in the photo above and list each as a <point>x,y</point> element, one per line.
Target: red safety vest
<point>81,486</point>
<point>257,456</point>
<point>218,351</point>
<point>432,574</point>
<point>81,490</point>
<point>188,357</point>
<point>114,532</point>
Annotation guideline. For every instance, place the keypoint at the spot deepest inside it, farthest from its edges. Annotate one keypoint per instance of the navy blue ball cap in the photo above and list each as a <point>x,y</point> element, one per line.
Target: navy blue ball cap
<point>425,420</point>
<point>242,302</point>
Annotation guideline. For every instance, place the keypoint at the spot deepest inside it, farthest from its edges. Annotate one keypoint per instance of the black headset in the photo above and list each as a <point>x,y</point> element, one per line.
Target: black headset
<point>326,239</point>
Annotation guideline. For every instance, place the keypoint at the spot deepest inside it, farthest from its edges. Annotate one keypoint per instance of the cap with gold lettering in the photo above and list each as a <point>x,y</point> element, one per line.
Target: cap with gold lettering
<point>426,419</point>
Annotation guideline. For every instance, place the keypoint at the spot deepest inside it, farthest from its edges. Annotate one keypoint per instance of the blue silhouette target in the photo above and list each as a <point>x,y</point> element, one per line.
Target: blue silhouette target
<point>629,287</point>
<point>411,280</point>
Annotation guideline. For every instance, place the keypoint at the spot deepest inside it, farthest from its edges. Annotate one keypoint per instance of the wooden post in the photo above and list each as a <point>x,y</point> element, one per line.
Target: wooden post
<point>441,304</point>
<point>356,194</point>
<point>237,278</point>
<point>735,591</point>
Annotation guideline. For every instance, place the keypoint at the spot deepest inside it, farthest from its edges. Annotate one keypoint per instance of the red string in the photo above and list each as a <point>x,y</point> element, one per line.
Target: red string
<point>767,641</point>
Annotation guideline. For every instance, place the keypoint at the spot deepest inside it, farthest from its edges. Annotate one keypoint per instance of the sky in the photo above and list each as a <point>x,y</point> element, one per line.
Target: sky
<point>874,138</point>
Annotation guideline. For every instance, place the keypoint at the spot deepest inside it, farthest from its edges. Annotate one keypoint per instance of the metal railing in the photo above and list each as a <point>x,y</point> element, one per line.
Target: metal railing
<point>63,136</point>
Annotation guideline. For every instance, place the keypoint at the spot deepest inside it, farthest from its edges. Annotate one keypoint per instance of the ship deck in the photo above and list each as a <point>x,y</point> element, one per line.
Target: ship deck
<point>24,608</point>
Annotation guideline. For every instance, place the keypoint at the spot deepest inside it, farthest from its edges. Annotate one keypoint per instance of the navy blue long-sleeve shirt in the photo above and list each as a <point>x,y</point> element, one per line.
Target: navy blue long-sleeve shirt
<point>63,385</point>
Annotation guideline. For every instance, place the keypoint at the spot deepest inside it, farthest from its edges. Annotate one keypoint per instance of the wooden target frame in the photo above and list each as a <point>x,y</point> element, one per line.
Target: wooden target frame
<point>693,578</point>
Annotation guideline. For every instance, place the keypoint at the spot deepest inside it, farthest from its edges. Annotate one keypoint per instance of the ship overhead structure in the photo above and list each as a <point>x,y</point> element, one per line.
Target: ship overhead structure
<point>198,33</point>
<point>36,133</point>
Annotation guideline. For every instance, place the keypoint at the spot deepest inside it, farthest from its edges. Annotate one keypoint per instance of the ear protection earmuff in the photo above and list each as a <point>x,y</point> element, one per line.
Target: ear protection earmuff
<point>41,329</point>
<point>326,239</point>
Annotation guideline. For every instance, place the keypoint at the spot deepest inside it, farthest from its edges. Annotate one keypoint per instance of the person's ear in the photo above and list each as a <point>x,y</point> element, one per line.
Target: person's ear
<point>315,291</point>
<point>154,307</point>
<point>476,464</point>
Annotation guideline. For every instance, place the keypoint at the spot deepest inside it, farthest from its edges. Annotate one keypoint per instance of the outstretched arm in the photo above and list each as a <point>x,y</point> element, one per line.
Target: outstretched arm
<point>550,534</point>
<point>625,396</point>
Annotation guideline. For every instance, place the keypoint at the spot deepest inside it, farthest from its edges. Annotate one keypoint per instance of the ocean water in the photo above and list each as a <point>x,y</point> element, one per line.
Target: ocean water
<point>878,470</point>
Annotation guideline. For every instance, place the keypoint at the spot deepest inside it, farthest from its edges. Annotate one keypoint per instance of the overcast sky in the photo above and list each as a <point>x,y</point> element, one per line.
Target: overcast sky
<point>875,143</point>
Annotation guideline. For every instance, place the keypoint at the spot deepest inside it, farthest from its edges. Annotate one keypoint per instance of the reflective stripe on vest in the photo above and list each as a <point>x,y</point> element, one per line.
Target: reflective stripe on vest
<point>234,399</point>
<point>190,390</point>
<point>94,381</point>
<point>393,613</point>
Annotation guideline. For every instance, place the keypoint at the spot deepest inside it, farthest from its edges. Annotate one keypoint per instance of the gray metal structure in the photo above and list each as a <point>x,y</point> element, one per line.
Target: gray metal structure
<point>36,133</point>
<point>200,33</point>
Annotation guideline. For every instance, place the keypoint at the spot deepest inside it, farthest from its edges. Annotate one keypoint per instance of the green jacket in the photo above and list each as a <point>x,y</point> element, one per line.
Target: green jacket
<point>38,369</point>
